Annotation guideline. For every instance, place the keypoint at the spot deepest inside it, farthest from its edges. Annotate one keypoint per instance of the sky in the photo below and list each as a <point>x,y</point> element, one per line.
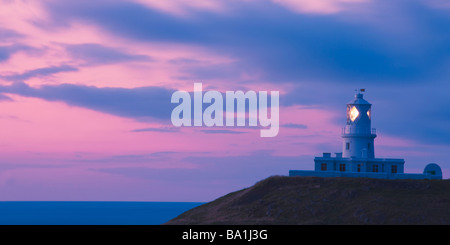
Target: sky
<point>85,91</point>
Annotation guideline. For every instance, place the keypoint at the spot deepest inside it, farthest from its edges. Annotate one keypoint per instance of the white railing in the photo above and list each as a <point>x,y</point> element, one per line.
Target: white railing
<point>346,130</point>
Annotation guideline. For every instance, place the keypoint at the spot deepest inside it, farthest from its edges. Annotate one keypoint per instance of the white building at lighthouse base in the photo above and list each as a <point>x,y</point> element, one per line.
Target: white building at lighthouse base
<point>379,168</point>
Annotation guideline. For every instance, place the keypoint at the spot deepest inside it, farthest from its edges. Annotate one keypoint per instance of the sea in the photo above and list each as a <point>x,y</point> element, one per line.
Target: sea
<point>90,213</point>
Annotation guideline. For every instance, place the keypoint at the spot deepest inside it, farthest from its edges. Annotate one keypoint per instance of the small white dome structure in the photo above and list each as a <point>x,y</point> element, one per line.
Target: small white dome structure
<point>433,169</point>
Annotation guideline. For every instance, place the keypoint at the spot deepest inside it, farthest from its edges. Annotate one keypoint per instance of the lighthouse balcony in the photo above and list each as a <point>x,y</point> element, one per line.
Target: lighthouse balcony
<point>364,131</point>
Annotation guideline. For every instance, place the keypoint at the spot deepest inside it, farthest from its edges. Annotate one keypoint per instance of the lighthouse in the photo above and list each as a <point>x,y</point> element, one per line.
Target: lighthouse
<point>357,158</point>
<point>358,136</point>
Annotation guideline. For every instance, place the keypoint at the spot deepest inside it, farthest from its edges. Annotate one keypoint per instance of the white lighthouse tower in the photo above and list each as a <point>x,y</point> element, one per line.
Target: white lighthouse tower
<point>358,136</point>
<point>357,158</point>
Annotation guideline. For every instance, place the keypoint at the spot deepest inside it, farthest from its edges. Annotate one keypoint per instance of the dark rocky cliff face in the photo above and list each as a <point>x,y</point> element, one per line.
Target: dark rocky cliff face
<point>281,200</point>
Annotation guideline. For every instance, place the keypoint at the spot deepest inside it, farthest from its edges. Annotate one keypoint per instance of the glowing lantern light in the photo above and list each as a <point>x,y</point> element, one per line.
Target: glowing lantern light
<point>354,113</point>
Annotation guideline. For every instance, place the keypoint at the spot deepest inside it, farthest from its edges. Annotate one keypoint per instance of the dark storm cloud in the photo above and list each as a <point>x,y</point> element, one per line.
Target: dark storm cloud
<point>285,45</point>
<point>159,129</point>
<point>221,131</point>
<point>95,54</point>
<point>45,71</point>
<point>143,103</point>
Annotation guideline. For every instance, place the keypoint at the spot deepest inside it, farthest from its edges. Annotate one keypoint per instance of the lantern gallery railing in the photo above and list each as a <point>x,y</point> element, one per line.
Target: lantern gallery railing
<point>346,130</point>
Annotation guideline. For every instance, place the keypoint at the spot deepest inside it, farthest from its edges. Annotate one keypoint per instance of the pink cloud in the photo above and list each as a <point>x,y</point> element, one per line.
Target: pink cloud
<point>318,6</point>
<point>182,8</point>
<point>40,126</point>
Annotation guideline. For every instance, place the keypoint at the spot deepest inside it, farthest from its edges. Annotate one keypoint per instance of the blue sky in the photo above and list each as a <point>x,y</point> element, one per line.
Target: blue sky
<point>85,90</point>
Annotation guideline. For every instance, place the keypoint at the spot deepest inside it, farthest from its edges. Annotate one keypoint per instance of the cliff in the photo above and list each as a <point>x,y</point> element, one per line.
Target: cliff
<point>281,200</point>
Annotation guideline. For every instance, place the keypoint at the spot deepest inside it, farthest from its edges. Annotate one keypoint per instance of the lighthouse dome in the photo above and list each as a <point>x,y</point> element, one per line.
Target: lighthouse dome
<point>359,100</point>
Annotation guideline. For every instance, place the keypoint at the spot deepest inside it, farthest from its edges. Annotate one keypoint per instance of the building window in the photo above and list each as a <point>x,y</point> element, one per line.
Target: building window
<point>347,146</point>
<point>394,169</point>
<point>358,167</point>
<point>368,146</point>
<point>342,167</point>
<point>375,168</point>
<point>323,167</point>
